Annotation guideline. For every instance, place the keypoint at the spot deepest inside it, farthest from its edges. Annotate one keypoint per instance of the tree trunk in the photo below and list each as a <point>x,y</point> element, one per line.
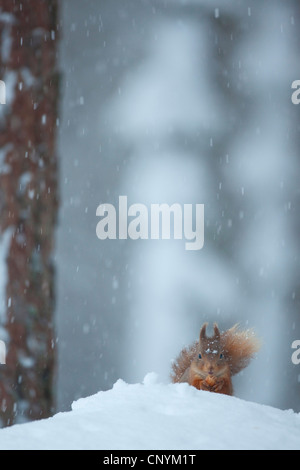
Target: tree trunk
<point>28,205</point>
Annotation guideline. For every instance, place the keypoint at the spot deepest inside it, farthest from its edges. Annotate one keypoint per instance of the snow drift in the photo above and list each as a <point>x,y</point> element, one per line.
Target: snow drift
<point>158,416</point>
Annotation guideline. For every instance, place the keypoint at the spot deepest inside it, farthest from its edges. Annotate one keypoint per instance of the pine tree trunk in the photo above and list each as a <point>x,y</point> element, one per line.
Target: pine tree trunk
<point>28,205</point>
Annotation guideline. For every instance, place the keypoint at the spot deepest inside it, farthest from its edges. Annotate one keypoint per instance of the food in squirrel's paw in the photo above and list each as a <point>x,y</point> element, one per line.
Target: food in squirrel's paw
<point>210,380</point>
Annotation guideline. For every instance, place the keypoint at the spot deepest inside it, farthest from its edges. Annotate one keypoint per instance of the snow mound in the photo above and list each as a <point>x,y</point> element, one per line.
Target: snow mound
<point>156,416</point>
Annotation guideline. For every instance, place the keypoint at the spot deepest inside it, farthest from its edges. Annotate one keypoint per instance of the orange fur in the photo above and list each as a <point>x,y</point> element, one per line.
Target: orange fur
<point>197,383</point>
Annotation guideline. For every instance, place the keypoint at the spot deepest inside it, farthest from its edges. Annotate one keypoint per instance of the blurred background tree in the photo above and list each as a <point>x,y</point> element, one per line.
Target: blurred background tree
<point>28,204</point>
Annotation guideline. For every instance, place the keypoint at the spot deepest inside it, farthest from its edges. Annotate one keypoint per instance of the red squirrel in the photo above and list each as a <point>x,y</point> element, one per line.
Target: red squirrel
<point>209,364</point>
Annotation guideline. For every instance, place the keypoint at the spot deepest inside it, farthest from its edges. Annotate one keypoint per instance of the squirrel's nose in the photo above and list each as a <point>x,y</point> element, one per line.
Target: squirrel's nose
<point>211,370</point>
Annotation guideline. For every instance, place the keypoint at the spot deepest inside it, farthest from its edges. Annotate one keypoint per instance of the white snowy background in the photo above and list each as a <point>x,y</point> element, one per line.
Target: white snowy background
<point>188,102</point>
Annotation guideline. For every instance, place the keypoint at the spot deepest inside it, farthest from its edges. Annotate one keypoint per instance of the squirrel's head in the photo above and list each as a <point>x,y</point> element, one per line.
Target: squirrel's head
<point>211,358</point>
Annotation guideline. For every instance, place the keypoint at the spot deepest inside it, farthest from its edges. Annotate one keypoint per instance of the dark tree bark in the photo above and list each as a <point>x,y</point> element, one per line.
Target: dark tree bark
<point>29,205</point>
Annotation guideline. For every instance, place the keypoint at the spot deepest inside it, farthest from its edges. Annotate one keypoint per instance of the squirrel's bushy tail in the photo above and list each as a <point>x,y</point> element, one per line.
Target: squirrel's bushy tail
<point>239,347</point>
<point>183,361</point>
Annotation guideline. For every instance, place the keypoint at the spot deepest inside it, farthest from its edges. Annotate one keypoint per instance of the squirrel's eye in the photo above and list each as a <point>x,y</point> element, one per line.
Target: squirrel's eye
<point>221,356</point>
<point>200,357</point>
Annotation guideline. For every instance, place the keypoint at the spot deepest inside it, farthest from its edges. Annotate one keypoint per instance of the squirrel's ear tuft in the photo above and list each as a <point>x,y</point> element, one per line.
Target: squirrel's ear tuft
<point>216,331</point>
<point>203,332</point>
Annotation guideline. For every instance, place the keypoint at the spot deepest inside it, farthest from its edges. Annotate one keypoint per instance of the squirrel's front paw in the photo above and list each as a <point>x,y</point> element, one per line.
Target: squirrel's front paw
<point>218,386</point>
<point>210,380</point>
<point>197,383</point>
<point>205,386</point>
<point>208,383</point>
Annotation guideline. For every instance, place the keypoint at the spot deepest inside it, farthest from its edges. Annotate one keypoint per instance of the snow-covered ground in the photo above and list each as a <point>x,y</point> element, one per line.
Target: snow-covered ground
<point>156,416</point>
